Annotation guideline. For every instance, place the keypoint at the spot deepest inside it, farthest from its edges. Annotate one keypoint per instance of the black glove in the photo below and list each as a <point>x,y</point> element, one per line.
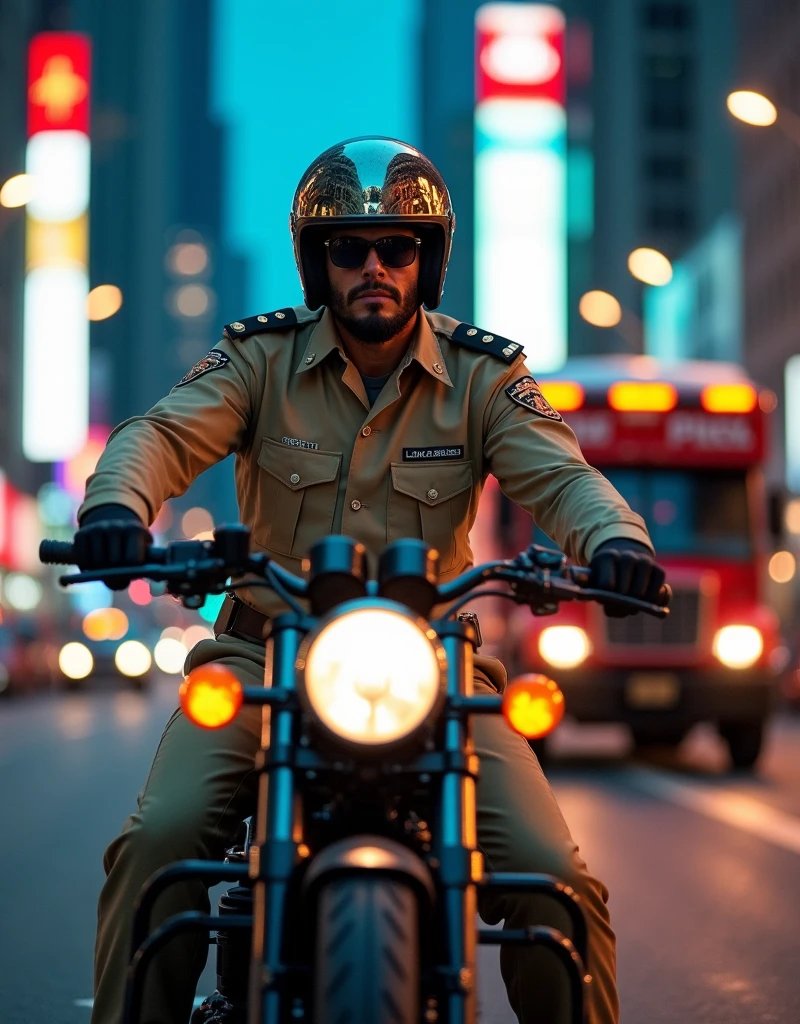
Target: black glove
<point>109,536</point>
<point>627,567</point>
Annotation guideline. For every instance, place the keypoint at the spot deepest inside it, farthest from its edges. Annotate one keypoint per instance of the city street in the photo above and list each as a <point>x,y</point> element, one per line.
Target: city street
<point>702,866</point>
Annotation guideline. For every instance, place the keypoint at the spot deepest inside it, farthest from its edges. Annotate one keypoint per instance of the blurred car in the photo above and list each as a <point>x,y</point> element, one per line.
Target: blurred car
<point>106,645</point>
<point>28,656</point>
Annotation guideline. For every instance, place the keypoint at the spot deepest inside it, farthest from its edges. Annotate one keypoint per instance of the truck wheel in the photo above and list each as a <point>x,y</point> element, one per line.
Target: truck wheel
<point>367,953</point>
<point>744,740</point>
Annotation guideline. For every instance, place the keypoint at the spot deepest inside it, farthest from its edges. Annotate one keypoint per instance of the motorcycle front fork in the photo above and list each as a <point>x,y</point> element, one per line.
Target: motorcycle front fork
<point>273,854</point>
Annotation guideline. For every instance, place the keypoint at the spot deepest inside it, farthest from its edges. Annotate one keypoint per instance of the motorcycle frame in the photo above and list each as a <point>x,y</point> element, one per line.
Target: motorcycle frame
<point>273,855</point>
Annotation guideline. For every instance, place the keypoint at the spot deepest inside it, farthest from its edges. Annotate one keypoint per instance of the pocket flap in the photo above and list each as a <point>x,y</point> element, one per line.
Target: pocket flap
<point>298,467</point>
<point>432,483</point>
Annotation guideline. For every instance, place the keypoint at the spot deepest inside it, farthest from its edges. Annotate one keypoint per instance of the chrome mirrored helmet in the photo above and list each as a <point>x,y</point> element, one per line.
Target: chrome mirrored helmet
<point>368,181</point>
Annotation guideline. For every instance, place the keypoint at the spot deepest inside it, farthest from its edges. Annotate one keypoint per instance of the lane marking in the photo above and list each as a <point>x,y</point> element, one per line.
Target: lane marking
<point>742,812</point>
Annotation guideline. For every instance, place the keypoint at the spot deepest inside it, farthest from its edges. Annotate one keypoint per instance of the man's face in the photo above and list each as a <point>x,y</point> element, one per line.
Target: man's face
<point>374,302</point>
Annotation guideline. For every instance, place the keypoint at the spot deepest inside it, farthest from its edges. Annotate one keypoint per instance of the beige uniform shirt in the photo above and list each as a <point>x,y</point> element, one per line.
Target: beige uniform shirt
<point>313,458</point>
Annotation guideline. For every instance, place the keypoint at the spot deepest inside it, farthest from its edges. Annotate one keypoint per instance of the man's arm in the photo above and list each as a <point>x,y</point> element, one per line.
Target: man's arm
<point>156,456</point>
<point>539,465</point>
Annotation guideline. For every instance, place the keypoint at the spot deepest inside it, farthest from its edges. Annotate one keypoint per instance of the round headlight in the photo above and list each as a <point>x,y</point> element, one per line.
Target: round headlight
<point>564,646</point>
<point>738,646</point>
<point>372,675</point>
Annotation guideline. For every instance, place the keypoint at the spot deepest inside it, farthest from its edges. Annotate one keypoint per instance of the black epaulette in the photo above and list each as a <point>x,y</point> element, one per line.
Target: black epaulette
<point>280,320</point>
<point>483,341</point>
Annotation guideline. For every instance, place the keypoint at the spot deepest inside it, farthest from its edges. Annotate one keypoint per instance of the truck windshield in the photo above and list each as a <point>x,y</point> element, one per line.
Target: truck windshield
<point>689,512</point>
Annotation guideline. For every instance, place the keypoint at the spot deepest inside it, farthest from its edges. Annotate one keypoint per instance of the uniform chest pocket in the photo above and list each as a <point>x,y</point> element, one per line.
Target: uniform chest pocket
<point>432,500</point>
<point>297,497</point>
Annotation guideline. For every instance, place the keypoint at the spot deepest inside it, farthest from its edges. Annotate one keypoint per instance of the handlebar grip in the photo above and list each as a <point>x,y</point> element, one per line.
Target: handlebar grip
<point>56,552</point>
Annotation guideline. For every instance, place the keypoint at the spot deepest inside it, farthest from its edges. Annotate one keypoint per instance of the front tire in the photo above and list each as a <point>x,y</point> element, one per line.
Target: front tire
<point>744,741</point>
<point>367,953</point>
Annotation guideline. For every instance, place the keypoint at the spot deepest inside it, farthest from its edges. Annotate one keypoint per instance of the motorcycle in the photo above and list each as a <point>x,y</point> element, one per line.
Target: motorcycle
<point>356,890</point>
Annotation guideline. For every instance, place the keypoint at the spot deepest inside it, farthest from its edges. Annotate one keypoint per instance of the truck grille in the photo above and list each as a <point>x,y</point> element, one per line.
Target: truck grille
<point>679,629</point>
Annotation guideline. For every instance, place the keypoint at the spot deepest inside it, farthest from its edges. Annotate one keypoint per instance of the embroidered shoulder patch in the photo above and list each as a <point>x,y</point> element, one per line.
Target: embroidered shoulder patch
<point>527,393</point>
<point>212,361</point>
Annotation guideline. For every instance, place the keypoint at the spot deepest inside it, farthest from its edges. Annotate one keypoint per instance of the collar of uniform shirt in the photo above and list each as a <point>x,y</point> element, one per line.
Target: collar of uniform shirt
<point>425,348</point>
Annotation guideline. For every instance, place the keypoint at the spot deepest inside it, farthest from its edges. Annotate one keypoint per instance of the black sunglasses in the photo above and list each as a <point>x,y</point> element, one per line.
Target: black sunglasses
<point>350,252</point>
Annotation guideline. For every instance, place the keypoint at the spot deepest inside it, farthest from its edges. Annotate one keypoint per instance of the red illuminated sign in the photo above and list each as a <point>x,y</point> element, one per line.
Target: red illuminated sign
<point>688,437</point>
<point>520,52</point>
<point>58,82</point>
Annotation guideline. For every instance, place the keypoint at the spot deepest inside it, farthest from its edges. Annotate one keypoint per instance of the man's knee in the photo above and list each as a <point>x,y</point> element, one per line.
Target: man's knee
<point>156,837</point>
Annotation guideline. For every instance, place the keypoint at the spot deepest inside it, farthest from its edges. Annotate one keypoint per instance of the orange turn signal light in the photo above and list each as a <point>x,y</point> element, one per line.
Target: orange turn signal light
<point>563,395</point>
<point>728,398</point>
<point>642,396</point>
<point>211,696</point>
<point>533,705</point>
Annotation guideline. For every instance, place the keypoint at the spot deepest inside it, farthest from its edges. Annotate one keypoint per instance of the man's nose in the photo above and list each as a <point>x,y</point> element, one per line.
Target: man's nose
<point>373,266</point>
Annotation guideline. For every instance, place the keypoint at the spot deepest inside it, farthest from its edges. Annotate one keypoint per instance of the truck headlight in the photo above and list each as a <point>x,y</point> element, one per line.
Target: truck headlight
<point>564,646</point>
<point>372,675</point>
<point>738,646</point>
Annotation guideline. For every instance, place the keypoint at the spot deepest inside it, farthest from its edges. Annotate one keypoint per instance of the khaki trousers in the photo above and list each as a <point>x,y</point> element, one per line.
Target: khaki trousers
<point>203,783</point>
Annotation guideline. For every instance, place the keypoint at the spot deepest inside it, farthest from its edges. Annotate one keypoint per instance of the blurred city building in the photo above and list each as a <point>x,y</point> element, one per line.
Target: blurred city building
<point>650,155</point>
<point>18,19</point>
<point>157,217</point>
<point>157,245</point>
<point>770,206</point>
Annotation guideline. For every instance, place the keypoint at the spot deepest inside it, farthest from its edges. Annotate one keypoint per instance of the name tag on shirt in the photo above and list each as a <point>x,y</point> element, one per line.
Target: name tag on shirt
<point>433,454</point>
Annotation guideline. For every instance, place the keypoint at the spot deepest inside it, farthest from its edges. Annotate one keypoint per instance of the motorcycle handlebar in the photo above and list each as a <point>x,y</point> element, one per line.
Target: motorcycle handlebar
<point>567,582</point>
<point>62,552</point>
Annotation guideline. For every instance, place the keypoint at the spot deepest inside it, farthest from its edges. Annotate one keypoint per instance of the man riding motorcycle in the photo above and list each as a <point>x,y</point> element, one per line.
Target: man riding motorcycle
<point>360,413</point>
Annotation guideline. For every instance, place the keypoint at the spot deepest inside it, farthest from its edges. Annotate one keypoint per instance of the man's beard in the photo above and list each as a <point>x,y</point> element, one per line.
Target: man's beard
<point>375,327</point>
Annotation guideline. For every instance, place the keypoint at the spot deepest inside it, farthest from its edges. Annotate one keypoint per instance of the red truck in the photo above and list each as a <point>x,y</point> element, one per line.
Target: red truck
<point>685,444</point>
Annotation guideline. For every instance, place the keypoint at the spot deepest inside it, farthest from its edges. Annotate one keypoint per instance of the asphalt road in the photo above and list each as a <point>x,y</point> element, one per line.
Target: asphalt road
<point>703,867</point>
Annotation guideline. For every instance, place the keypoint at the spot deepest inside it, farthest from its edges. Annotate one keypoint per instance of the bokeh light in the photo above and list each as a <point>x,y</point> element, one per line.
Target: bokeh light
<point>17,191</point>
<point>103,301</point>
<point>194,634</point>
<point>22,592</point>
<point>196,520</point>
<point>105,624</point>
<point>132,658</point>
<point>752,108</point>
<point>75,660</point>
<point>192,300</point>
<point>139,592</point>
<point>600,309</point>
<point>650,266</point>
<point>170,655</point>
<point>187,258</point>
<point>782,567</point>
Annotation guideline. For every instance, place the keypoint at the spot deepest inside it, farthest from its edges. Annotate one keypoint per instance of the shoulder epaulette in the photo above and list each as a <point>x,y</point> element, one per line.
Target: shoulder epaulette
<point>280,320</point>
<point>482,341</point>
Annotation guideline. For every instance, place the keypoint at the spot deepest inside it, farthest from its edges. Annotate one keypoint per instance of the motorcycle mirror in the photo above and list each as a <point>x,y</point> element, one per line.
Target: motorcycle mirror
<point>533,705</point>
<point>211,696</point>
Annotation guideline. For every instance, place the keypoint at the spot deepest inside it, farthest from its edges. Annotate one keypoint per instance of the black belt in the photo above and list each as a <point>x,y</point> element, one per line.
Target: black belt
<point>240,620</point>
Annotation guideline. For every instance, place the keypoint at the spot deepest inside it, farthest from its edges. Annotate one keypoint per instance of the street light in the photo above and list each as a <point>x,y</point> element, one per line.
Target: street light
<point>650,266</point>
<point>17,191</point>
<point>756,109</point>
<point>602,309</point>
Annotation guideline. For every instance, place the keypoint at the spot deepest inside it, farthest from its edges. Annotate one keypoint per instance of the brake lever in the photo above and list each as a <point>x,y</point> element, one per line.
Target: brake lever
<point>156,573</point>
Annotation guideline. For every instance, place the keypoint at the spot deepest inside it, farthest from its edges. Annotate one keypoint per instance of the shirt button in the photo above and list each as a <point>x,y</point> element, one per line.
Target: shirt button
<point>438,367</point>
<point>355,504</point>
<point>433,494</point>
<point>366,431</point>
<point>294,478</point>
<point>310,359</point>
